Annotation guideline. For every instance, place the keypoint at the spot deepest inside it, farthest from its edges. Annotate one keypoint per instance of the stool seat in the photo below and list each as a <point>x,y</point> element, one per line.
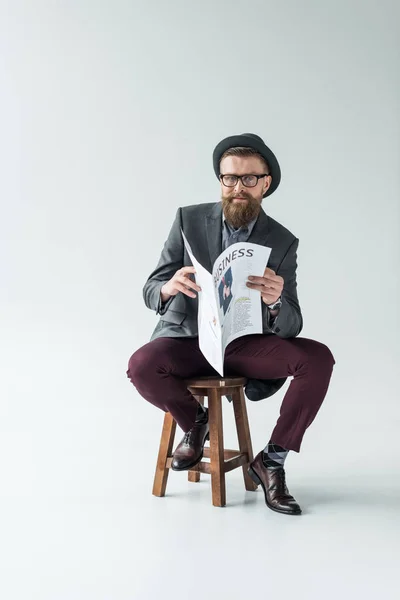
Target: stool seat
<point>216,382</point>
<point>222,460</point>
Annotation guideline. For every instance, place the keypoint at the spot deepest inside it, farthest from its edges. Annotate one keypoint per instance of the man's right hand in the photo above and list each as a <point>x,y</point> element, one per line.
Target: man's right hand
<point>180,282</point>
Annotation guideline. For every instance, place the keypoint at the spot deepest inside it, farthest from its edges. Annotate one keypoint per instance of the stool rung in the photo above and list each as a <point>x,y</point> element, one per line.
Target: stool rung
<point>233,462</point>
<point>227,453</point>
<point>203,467</point>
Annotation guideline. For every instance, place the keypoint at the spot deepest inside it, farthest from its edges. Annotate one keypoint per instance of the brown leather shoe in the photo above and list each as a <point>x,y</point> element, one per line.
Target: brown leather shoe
<point>189,451</point>
<point>272,481</point>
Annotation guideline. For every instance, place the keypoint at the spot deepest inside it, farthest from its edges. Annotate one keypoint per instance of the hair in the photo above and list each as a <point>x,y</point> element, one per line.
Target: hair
<point>245,152</point>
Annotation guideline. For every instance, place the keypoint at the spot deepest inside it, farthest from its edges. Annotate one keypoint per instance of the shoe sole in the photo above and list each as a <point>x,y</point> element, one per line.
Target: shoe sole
<point>258,481</point>
<point>187,468</point>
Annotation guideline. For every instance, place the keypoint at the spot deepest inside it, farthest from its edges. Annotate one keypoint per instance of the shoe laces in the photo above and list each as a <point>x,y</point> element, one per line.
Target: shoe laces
<point>187,436</point>
<point>281,474</point>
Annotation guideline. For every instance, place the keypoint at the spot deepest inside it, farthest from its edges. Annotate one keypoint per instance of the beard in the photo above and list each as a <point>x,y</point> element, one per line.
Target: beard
<point>239,214</point>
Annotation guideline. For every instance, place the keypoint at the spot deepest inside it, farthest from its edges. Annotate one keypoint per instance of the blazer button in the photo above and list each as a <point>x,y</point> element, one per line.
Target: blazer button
<point>277,329</point>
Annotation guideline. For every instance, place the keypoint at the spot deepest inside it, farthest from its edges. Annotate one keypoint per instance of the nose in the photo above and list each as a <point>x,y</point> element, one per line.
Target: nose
<point>239,186</point>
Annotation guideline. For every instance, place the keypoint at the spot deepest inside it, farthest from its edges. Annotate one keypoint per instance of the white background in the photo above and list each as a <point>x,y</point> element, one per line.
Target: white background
<point>109,115</point>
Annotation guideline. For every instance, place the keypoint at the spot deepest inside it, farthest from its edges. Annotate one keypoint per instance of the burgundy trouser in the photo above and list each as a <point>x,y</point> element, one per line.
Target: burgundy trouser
<point>158,370</point>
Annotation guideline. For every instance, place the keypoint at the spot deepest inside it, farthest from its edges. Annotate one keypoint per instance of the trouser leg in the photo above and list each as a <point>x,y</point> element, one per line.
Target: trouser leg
<point>270,357</point>
<point>158,370</point>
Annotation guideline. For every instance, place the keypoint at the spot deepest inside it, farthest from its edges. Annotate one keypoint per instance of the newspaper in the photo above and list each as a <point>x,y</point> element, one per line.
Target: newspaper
<point>228,309</point>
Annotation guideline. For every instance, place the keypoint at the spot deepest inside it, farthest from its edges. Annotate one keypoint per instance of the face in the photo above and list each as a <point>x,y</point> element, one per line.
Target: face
<point>242,204</point>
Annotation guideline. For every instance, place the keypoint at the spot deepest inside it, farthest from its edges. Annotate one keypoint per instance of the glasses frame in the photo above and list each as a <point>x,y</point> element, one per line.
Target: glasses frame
<point>221,177</point>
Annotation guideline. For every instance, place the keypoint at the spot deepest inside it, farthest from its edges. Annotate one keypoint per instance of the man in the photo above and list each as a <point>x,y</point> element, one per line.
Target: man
<point>248,171</point>
<point>225,290</point>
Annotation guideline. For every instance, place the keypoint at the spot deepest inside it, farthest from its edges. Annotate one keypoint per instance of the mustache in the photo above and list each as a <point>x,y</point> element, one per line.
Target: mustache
<point>232,196</point>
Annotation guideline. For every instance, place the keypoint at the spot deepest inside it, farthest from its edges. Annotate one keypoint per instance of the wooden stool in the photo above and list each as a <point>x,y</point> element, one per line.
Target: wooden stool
<point>221,460</point>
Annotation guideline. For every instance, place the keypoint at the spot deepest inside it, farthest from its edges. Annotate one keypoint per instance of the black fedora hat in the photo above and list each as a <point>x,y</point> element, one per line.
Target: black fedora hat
<point>249,140</point>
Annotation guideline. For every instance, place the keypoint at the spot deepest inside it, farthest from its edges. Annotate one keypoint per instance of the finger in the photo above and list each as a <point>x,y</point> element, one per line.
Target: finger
<point>258,280</point>
<point>266,293</point>
<point>260,288</point>
<point>189,283</point>
<point>269,274</point>
<point>185,290</point>
<point>274,278</point>
<point>260,283</point>
<point>269,271</point>
<point>187,270</point>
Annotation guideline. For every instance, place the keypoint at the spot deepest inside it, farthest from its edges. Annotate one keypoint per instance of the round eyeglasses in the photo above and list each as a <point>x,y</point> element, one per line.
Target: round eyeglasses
<point>247,180</point>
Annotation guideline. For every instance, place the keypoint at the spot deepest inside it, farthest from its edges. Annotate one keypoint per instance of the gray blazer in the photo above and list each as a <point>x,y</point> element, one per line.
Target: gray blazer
<point>202,225</point>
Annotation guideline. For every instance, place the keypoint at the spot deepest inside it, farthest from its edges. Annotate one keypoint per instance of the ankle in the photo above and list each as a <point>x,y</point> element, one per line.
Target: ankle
<point>202,414</point>
<point>274,456</point>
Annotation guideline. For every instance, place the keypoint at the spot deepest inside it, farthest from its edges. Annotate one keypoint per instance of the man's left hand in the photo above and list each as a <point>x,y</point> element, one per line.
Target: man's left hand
<point>270,285</point>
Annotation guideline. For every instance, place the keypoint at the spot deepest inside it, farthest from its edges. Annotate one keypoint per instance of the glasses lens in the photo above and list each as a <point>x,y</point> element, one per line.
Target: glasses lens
<point>249,180</point>
<point>229,180</point>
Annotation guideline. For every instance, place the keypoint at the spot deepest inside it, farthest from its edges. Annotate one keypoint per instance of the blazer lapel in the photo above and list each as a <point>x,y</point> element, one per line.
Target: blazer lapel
<point>260,231</point>
<point>214,232</point>
<point>264,235</point>
<point>213,222</point>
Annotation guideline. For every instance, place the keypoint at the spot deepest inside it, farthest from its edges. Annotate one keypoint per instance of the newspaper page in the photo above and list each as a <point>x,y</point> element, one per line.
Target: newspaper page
<point>240,311</point>
<point>228,309</point>
<point>210,332</point>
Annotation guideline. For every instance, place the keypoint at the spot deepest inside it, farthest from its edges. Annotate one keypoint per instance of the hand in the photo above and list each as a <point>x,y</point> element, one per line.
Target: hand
<point>270,286</point>
<point>180,282</point>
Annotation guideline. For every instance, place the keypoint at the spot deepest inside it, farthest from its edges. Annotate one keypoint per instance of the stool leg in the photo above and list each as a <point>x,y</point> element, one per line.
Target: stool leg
<point>194,476</point>
<point>243,431</point>
<point>165,450</point>
<point>217,465</point>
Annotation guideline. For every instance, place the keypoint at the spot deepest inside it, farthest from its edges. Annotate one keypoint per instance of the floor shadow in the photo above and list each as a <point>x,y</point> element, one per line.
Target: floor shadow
<point>356,497</point>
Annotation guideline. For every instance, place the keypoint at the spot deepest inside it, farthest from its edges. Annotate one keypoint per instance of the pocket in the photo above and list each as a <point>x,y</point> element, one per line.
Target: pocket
<point>174,316</point>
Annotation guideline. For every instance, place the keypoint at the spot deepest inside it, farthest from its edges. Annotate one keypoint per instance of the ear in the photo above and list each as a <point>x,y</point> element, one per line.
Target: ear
<point>267,183</point>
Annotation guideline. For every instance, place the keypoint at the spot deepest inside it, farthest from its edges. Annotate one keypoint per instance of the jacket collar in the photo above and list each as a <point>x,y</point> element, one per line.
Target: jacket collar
<point>213,224</point>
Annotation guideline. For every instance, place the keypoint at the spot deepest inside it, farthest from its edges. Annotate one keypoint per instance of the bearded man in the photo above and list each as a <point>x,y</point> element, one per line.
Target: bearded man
<point>248,171</point>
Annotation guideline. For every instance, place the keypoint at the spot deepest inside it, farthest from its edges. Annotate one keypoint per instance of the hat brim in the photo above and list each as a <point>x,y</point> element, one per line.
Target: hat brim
<point>249,142</point>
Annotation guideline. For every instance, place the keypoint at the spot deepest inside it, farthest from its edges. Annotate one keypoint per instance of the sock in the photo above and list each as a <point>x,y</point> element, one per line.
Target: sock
<point>202,414</point>
<point>274,455</point>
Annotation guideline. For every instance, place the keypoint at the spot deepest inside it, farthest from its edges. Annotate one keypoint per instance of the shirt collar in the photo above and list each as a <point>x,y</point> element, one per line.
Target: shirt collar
<point>250,225</point>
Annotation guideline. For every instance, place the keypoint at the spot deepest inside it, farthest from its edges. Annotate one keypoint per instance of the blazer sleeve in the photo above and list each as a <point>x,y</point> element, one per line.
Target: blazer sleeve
<point>289,321</point>
<point>171,260</point>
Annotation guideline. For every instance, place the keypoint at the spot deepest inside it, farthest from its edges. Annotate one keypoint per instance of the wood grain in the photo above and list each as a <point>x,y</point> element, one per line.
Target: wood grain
<point>164,452</point>
<point>243,432</point>
<point>216,448</point>
<point>194,476</point>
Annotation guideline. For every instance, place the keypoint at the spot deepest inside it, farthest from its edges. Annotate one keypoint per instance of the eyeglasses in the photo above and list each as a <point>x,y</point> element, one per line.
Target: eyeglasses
<point>247,180</point>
